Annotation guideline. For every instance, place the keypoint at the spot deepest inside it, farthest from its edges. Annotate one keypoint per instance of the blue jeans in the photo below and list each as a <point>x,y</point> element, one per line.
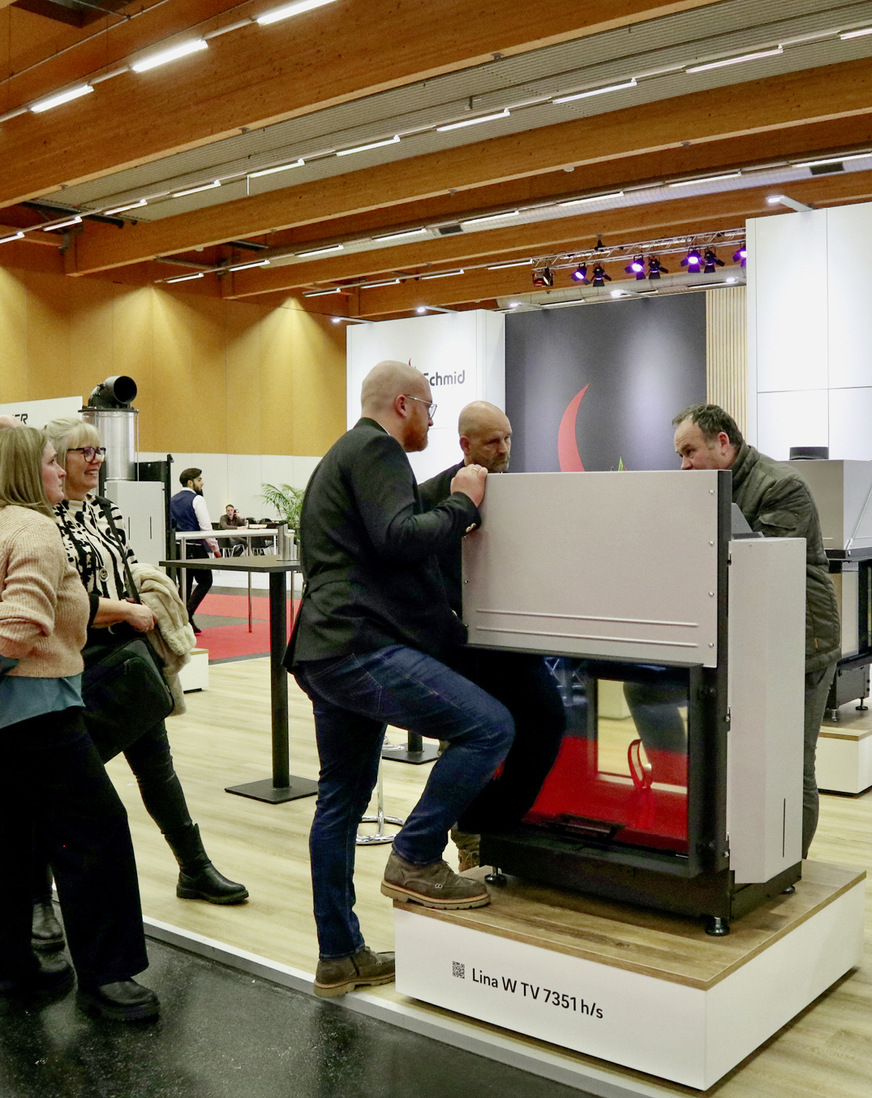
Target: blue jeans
<point>354,697</point>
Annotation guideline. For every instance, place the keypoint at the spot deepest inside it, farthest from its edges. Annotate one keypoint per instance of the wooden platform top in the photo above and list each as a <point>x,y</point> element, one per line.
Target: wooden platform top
<point>664,946</point>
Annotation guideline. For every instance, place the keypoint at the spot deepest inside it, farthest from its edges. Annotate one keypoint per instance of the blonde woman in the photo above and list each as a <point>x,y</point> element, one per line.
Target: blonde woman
<point>53,787</point>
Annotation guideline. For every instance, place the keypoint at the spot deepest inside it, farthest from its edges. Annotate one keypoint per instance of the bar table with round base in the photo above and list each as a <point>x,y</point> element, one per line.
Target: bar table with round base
<point>282,786</point>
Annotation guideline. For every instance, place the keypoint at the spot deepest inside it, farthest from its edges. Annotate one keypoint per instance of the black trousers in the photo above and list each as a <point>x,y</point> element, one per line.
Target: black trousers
<point>55,790</point>
<point>198,580</point>
<point>525,686</point>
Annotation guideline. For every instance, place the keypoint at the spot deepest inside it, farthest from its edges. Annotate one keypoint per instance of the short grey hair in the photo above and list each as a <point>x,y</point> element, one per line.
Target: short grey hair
<point>68,432</point>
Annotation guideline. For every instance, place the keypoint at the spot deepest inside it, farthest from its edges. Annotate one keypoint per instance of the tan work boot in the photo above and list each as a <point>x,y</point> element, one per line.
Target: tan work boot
<point>434,885</point>
<point>361,969</point>
<point>467,849</point>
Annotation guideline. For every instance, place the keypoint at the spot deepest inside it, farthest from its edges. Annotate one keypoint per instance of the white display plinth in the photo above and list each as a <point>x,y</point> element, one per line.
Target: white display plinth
<point>195,674</point>
<point>844,759</point>
<point>640,989</point>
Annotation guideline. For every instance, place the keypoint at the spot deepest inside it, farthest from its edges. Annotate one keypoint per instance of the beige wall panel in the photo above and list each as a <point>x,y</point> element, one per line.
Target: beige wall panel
<point>245,401</point>
<point>727,352</point>
<point>133,354</point>
<point>13,338</point>
<point>49,311</point>
<point>319,383</point>
<point>279,414</point>
<point>91,315</point>
<point>174,375</point>
<point>207,392</point>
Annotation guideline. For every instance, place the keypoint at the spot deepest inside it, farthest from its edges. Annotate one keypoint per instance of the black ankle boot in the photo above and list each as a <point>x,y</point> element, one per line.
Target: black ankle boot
<point>46,934</point>
<point>198,878</point>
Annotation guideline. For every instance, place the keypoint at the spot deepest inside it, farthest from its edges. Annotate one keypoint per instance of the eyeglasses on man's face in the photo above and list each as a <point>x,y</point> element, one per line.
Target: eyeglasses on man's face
<point>431,408</point>
<point>88,452</point>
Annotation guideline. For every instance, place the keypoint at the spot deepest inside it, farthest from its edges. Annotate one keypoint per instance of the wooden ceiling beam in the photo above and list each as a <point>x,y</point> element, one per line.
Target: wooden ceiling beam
<point>257,76</point>
<point>755,108</point>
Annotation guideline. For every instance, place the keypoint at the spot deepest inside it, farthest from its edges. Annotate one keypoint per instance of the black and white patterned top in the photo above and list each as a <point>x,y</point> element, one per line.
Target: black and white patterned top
<point>92,548</point>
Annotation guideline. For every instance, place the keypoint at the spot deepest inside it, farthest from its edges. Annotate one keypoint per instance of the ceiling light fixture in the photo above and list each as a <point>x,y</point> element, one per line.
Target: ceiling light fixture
<point>62,224</point>
<point>196,190</point>
<point>124,209</point>
<point>543,278</point>
<point>372,145</point>
<point>791,203</point>
<point>705,180</point>
<point>711,261</point>
<point>421,309</point>
<point>595,91</point>
<point>593,198</point>
<point>349,320</point>
<point>490,217</point>
<point>322,251</point>
<point>600,278</point>
<point>195,45</point>
<point>636,267</point>
<point>185,278</point>
<point>375,285</point>
<point>473,121</point>
<point>655,268</point>
<point>11,237</point>
<point>834,160</point>
<point>735,60</point>
<point>693,260</point>
<point>856,33</point>
<point>322,293</point>
<point>287,10</point>
<point>741,256</point>
<point>62,97</point>
<point>405,235</point>
<point>443,274</point>
<point>247,266</point>
<point>511,263</point>
<point>580,274</point>
<point>273,171</point>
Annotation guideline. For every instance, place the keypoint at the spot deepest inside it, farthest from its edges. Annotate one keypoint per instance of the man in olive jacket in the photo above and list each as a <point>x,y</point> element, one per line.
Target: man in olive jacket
<point>777,502</point>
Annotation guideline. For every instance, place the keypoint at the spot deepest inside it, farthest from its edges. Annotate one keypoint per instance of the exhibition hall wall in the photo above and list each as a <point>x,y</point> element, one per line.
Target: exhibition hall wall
<point>810,332</point>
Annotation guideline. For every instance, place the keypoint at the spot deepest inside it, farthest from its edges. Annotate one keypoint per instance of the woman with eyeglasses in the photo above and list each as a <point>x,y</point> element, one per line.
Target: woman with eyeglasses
<point>53,787</point>
<point>94,550</point>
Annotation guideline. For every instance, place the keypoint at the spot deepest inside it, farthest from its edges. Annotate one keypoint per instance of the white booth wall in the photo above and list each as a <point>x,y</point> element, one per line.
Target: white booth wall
<point>810,332</point>
<point>461,354</point>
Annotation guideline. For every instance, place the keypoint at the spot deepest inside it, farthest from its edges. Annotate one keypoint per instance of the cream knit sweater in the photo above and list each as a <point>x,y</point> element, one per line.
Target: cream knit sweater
<point>43,606</point>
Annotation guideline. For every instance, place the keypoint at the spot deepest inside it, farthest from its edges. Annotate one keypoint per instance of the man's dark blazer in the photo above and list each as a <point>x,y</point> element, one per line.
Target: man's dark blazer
<point>368,553</point>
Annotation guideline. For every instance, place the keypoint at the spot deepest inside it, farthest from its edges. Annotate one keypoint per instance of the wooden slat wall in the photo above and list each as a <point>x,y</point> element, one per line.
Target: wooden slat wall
<point>214,376</point>
<point>727,352</point>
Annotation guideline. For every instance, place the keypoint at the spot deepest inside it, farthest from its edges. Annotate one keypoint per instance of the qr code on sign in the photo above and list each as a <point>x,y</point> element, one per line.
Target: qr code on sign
<point>458,969</point>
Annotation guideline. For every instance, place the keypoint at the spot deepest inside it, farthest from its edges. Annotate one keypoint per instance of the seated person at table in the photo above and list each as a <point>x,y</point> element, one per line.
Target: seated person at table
<point>232,520</point>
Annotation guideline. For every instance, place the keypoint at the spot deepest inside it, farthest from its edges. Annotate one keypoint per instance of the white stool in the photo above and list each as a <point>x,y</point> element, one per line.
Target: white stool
<point>379,836</point>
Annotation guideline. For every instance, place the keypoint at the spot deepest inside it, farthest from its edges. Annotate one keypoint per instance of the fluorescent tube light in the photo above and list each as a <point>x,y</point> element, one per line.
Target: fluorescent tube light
<point>706,179</point>
<point>593,198</point>
<point>322,293</point>
<point>473,121</point>
<point>124,209</point>
<point>321,251</point>
<point>374,285</point>
<point>595,91</point>
<point>513,263</point>
<point>403,235</point>
<point>856,34</point>
<point>196,190</point>
<point>185,278</point>
<point>246,266</point>
<point>62,224</point>
<point>443,274</point>
<point>490,217</point>
<point>62,97</point>
<point>834,160</point>
<point>735,60</point>
<point>287,10</point>
<point>171,54</point>
<point>373,145</point>
<point>10,238</point>
<point>272,171</point>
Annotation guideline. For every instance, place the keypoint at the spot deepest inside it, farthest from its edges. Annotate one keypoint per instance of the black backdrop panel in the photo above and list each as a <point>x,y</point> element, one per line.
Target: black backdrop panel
<point>589,386</point>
